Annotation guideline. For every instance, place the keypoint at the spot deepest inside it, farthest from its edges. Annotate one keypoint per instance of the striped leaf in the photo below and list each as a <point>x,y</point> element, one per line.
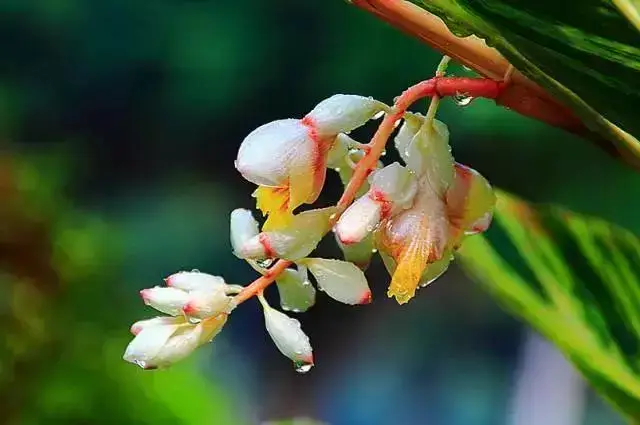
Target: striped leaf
<point>576,280</point>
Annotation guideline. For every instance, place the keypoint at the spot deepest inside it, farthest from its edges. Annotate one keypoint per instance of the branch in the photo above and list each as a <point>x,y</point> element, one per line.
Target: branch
<point>521,95</point>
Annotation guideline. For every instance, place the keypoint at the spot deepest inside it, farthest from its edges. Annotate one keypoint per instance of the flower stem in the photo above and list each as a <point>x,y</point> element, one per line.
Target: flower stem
<point>436,86</point>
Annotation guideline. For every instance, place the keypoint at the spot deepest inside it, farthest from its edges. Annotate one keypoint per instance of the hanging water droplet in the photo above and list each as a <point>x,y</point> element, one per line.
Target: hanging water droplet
<point>140,363</point>
<point>462,99</point>
<point>378,115</point>
<point>302,367</point>
<point>383,153</point>
<point>374,250</point>
<point>337,169</point>
<point>285,307</point>
<point>265,263</point>
<point>306,283</point>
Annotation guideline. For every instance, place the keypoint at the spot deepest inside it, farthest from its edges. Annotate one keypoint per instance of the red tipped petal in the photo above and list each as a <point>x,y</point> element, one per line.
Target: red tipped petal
<point>366,298</point>
<point>189,308</point>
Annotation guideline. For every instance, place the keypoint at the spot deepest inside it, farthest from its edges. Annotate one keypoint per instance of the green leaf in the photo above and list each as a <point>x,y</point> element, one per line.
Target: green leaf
<point>586,53</point>
<point>576,280</point>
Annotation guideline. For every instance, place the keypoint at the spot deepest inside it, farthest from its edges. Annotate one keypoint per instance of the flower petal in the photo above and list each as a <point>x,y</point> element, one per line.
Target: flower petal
<point>405,135</point>
<point>140,325</point>
<point>203,304</point>
<point>359,253</point>
<point>429,156</point>
<point>166,300</point>
<point>288,336</point>
<point>341,280</point>
<point>396,184</point>
<point>436,269</point>
<point>293,242</point>
<point>144,348</point>
<point>414,238</point>
<point>194,280</point>
<point>470,201</point>
<point>267,154</point>
<point>342,113</point>
<point>274,203</point>
<point>187,339</point>
<point>243,226</point>
<point>296,292</point>
<point>358,220</point>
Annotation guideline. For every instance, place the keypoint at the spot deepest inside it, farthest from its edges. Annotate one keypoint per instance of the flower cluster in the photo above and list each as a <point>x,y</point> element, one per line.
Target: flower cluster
<point>414,215</point>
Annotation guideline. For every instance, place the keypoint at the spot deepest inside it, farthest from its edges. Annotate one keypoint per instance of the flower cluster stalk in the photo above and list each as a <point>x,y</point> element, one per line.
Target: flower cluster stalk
<point>437,86</point>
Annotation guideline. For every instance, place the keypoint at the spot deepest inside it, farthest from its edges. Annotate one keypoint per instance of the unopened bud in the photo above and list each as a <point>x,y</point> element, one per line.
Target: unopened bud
<point>193,281</point>
<point>342,113</point>
<point>243,227</point>
<point>288,336</point>
<point>166,300</point>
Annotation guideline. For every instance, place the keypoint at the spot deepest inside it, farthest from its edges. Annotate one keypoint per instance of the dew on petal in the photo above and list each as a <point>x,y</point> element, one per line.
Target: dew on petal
<point>265,263</point>
<point>302,367</point>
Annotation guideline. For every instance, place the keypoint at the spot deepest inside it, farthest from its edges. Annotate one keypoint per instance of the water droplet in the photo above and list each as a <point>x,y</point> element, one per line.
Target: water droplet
<point>378,115</point>
<point>337,169</point>
<point>302,367</point>
<point>466,68</point>
<point>306,283</point>
<point>383,153</point>
<point>285,307</point>
<point>369,229</point>
<point>462,99</point>
<point>140,363</point>
<point>195,271</point>
<point>374,250</point>
<point>265,263</point>
<point>332,216</point>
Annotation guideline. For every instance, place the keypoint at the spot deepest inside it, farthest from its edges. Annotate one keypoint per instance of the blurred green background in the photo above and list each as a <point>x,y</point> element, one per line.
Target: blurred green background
<point>119,124</point>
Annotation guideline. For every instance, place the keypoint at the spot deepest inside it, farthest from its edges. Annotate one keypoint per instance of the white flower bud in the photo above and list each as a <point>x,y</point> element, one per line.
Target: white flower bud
<point>147,344</point>
<point>429,156</point>
<point>408,129</point>
<point>341,280</point>
<point>166,300</point>
<point>297,294</point>
<point>269,153</point>
<point>396,184</point>
<point>193,281</point>
<point>342,113</point>
<point>163,345</point>
<point>358,220</point>
<point>288,336</point>
<point>138,326</point>
<point>203,304</point>
<point>392,190</point>
<point>243,227</point>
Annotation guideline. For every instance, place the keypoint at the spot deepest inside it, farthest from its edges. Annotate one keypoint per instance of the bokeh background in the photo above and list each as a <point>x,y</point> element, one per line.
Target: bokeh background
<point>119,124</point>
